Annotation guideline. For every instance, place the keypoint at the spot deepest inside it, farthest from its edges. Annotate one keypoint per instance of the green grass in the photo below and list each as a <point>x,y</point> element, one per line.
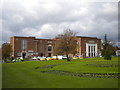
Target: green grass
<point>24,74</point>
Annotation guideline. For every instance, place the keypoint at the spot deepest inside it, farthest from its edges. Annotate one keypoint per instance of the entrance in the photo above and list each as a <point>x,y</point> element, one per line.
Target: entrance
<point>91,50</point>
<point>41,54</point>
<point>49,54</point>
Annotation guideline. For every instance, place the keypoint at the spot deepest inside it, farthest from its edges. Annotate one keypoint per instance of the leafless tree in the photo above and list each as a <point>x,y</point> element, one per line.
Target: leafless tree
<point>66,43</point>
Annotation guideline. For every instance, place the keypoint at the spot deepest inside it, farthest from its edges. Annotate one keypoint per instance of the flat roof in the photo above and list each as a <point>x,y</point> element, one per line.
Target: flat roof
<point>51,39</point>
<point>86,37</point>
<point>31,37</point>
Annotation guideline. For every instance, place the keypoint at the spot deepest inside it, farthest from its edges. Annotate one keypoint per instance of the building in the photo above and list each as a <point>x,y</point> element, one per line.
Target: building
<point>31,46</point>
<point>88,46</point>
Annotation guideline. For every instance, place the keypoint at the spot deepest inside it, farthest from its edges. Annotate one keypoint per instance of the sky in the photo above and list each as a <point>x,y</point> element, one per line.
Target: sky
<point>48,18</point>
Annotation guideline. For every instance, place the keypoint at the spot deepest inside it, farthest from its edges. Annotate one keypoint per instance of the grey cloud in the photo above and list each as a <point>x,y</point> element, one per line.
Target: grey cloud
<point>46,19</point>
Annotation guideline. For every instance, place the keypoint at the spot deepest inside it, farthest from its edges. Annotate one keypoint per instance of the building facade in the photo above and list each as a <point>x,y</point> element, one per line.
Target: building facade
<point>31,46</point>
<point>88,46</point>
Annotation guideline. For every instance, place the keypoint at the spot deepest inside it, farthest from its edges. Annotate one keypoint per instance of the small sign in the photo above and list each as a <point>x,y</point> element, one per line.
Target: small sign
<point>91,41</point>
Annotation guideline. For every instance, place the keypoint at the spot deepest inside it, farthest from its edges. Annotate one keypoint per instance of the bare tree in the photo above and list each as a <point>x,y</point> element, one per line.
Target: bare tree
<point>66,43</point>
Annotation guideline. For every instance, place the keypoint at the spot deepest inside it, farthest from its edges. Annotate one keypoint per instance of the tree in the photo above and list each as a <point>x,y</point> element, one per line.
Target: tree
<point>66,43</point>
<point>6,51</point>
<point>106,49</point>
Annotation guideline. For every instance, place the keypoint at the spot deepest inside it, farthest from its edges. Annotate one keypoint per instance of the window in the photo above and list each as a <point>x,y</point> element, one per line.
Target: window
<point>24,44</point>
<point>89,54</point>
<point>49,48</point>
<point>49,41</point>
<point>94,48</point>
<point>89,49</point>
<point>92,54</point>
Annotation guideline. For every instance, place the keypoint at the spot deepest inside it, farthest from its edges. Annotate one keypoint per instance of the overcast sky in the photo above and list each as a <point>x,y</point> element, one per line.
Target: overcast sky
<point>47,18</point>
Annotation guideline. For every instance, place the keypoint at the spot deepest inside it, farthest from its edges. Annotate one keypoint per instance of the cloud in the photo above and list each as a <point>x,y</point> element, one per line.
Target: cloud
<point>46,19</point>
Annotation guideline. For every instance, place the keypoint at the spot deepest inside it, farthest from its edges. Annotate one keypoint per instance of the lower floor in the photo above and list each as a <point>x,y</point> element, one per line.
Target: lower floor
<point>91,50</point>
<point>26,54</point>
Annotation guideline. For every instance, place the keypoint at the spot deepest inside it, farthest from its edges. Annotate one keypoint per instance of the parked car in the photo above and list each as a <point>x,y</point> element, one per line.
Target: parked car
<point>18,59</point>
<point>43,58</point>
<point>117,52</point>
<point>34,58</point>
<point>38,58</point>
<point>14,60</point>
<point>64,57</point>
<point>54,58</point>
<point>59,56</point>
<point>48,58</point>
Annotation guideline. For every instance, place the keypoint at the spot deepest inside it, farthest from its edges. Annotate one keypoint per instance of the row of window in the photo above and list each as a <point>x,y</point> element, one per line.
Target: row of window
<point>48,41</point>
<point>30,53</point>
<point>24,45</point>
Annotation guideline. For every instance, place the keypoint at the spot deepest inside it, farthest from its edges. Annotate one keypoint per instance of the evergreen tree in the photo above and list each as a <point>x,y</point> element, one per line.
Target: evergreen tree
<point>106,49</point>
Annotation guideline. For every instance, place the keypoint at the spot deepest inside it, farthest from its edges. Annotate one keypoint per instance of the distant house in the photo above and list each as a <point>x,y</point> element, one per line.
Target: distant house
<point>31,46</point>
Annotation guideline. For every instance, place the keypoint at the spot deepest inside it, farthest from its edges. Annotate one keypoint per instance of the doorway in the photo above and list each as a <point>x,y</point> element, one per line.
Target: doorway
<point>49,54</point>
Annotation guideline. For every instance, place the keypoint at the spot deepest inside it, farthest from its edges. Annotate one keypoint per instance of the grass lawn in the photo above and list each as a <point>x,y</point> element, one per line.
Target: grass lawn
<point>28,74</point>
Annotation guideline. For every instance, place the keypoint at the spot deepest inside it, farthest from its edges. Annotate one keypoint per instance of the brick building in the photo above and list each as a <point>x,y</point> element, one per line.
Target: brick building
<point>88,46</point>
<point>31,46</point>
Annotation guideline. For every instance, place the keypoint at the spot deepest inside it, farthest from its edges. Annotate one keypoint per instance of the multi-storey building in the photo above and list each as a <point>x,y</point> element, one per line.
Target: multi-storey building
<point>88,46</point>
<point>31,46</point>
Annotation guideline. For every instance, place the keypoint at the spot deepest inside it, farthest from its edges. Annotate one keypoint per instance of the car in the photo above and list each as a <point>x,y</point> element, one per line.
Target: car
<point>48,58</point>
<point>64,57</point>
<point>59,57</point>
<point>34,58</point>
<point>14,60</point>
<point>54,58</point>
<point>118,53</point>
<point>38,58</point>
<point>75,57</point>
<point>21,59</point>
<point>43,58</point>
<point>18,59</point>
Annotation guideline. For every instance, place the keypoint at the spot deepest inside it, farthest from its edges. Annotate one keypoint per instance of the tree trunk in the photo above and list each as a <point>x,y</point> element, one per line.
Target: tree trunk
<point>68,59</point>
<point>5,59</point>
